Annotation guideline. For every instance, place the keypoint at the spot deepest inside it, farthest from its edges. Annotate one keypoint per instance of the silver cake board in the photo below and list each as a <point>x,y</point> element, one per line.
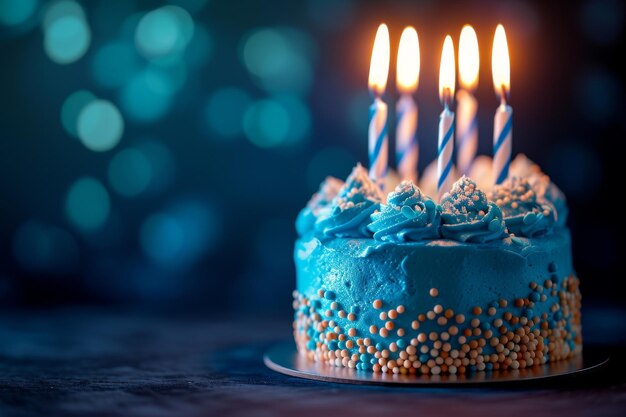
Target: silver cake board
<point>284,358</point>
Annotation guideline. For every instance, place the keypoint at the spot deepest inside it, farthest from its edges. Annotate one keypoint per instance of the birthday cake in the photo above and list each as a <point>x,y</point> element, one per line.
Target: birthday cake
<point>397,283</point>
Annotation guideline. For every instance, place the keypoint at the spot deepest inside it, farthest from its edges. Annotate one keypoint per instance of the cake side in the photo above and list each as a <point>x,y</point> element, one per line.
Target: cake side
<point>436,306</point>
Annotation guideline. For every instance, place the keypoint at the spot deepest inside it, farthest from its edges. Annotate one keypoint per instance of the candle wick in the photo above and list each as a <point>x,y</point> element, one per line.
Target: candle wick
<point>502,95</point>
<point>447,98</point>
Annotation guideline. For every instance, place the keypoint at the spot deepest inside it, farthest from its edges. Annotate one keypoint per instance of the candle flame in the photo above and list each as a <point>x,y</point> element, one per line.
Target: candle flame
<point>500,64</point>
<point>408,61</point>
<point>379,65</point>
<point>447,72</point>
<point>469,61</point>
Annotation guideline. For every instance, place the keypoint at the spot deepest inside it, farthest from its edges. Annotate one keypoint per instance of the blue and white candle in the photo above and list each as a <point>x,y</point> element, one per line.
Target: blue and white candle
<point>378,140</point>
<point>503,120</point>
<point>408,67</point>
<point>467,105</point>
<point>445,148</point>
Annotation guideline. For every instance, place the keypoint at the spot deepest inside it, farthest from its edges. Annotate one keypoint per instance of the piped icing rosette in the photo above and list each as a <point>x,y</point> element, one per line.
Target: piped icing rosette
<point>408,216</point>
<point>350,210</point>
<point>545,189</point>
<point>319,202</point>
<point>468,216</point>
<point>523,214</point>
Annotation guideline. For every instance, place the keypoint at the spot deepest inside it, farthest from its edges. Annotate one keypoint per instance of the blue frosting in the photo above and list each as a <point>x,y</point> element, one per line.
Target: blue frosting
<point>523,214</point>
<point>318,204</point>
<point>407,216</point>
<point>547,191</point>
<point>350,210</point>
<point>468,216</point>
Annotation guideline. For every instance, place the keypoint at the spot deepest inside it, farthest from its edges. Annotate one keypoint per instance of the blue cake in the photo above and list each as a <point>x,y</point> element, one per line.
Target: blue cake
<point>398,283</point>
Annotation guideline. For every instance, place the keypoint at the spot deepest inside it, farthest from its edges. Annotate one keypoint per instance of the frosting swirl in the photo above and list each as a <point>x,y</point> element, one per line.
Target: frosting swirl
<point>523,214</point>
<point>408,215</point>
<point>350,210</point>
<point>468,216</point>
<point>318,203</point>
<point>545,189</point>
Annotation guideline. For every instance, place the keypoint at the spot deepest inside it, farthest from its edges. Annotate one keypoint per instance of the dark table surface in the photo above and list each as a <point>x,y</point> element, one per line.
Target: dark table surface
<point>89,363</point>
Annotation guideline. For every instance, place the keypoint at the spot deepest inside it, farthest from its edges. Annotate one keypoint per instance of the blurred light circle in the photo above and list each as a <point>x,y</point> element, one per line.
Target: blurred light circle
<point>130,172</point>
<point>225,109</point>
<point>162,164</point>
<point>602,20</point>
<point>200,47</point>
<point>66,39</point>
<point>329,161</point>
<point>60,9</point>
<point>266,123</point>
<point>331,15</point>
<point>179,235</point>
<point>41,248</point>
<point>87,204</point>
<point>280,59</point>
<point>16,12</point>
<point>100,125</point>
<point>114,64</point>
<point>191,5</point>
<point>299,118</point>
<point>598,95</point>
<point>164,31</point>
<point>72,106</point>
<point>147,96</point>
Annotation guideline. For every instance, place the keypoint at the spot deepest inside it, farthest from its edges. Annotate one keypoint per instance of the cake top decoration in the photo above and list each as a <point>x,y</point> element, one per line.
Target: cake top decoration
<point>523,214</point>
<point>408,216</point>
<point>468,216</point>
<point>350,209</point>
<point>329,188</point>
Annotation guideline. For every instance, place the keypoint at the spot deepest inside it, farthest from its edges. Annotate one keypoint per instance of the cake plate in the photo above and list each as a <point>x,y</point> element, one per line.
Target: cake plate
<point>285,359</point>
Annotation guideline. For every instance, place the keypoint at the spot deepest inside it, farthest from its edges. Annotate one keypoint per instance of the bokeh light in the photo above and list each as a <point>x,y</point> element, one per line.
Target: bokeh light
<point>331,15</point>
<point>299,118</point>
<point>602,20</point>
<point>280,59</point>
<point>17,12</point>
<point>114,64</point>
<point>72,106</point>
<point>191,5</point>
<point>598,95</point>
<point>164,31</point>
<point>66,32</point>
<point>130,172</point>
<point>225,109</point>
<point>100,125</point>
<point>333,161</point>
<point>266,123</point>
<point>87,204</point>
<point>59,9</point>
<point>162,164</point>
<point>200,48</point>
<point>42,248</point>
<point>147,96</point>
<point>179,235</point>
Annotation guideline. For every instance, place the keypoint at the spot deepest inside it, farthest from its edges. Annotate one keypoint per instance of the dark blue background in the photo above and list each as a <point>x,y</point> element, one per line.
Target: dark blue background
<point>228,132</point>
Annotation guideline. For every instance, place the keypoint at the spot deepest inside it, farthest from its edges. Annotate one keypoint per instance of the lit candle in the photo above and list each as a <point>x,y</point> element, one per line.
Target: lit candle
<point>408,70</point>
<point>467,121</point>
<point>377,132</point>
<point>446,119</point>
<point>502,122</point>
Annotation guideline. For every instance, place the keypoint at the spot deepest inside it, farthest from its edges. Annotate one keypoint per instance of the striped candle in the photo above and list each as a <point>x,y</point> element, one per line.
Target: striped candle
<point>406,138</point>
<point>502,141</point>
<point>467,106</point>
<point>407,78</point>
<point>445,147</point>
<point>378,143</point>
<point>503,120</point>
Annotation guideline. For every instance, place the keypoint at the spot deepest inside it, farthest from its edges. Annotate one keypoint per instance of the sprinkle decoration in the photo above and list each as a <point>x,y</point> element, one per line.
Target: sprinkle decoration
<point>504,334</point>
